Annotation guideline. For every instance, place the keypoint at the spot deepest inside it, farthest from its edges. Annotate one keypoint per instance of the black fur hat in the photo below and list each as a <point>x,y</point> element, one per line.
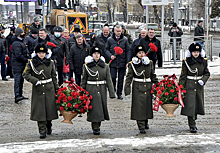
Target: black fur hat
<point>95,49</point>
<point>57,29</point>
<point>139,48</point>
<point>195,47</point>
<point>41,48</point>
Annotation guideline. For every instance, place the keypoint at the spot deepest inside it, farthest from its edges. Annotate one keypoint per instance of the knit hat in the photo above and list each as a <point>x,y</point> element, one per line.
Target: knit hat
<point>139,48</point>
<point>95,49</point>
<point>36,19</point>
<point>34,31</point>
<point>41,48</point>
<point>195,47</point>
<point>18,31</point>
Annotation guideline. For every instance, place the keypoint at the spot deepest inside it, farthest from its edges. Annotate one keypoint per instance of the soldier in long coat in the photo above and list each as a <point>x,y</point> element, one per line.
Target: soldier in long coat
<point>193,77</point>
<point>141,71</point>
<point>41,72</point>
<point>96,79</point>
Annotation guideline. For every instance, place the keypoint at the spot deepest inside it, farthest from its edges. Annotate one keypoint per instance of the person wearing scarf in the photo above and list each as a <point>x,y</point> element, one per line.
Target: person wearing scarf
<point>41,72</point>
<point>96,78</point>
<point>141,72</point>
<point>193,77</point>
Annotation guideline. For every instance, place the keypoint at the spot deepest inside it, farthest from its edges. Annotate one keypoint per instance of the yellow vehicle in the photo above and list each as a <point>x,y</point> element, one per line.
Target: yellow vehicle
<point>25,27</point>
<point>68,19</point>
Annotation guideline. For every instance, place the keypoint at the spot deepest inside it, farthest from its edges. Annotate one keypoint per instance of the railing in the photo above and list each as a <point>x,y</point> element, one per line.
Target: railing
<point>185,42</point>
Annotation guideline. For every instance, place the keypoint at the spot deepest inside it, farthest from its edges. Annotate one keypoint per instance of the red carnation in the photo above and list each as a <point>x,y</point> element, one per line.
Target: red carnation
<point>82,110</point>
<point>76,106</point>
<point>151,91</point>
<point>58,101</point>
<point>181,86</point>
<point>167,93</point>
<point>184,91</point>
<point>62,95</point>
<point>172,90</point>
<point>61,108</point>
<point>81,98</point>
<point>175,99</point>
<point>152,48</point>
<point>85,107</point>
<point>90,107</point>
<point>154,86</point>
<point>64,100</point>
<point>157,88</point>
<point>84,101</point>
<point>159,92</point>
<point>169,85</point>
<point>69,105</point>
<point>172,82</point>
<point>51,44</point>
<point>59,92</point>
<point>162,88</point>
<point>84,96</point>
<point>69,98</point>
<point>60,98</point>
<point>160,102</point>
<point>87,92</point>
<point>118,51</point>
<point>90,97</point>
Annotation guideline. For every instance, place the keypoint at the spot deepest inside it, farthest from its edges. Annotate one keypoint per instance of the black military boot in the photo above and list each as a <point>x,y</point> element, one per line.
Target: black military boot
<point>49,125</point>
<point>142,131</point>
<point>96,132</point>
<point>193,129</point>
<point>42,135</point>
<point>49,131</point>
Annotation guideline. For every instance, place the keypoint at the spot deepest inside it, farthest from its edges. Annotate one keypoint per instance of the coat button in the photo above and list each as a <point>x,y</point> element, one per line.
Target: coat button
<point>43,93</point>
<point>98,92</point>
<point>97,78</point>
<point>43,85</point>
<point>195,82</point>
<point>42,77</point>
<point>145,85</point>
<point>145,93</point>
<point>97,85</point>
<point>194,89</point>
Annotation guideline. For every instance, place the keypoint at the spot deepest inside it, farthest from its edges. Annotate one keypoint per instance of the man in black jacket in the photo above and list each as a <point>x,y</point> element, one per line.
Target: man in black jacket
<point>45,39</point>
<point>176,31</point>
<point>101,41</point>
<point>19,60</point>
<point>29,40</point>
<point>63,50</point>
<point>77,55</point>
<point>36,24</point>
<point>199,31</point>
<point>154,56</point>
<point>119,62</point>
<point>3,52</point>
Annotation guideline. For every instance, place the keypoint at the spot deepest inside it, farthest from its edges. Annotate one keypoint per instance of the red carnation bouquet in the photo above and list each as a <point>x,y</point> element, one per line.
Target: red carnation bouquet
<point>73,98</point>
<point>6,59</point>
<point>168,91</point>
<point>153,48</point>
<point>118,51</point>
<point>50,44</point>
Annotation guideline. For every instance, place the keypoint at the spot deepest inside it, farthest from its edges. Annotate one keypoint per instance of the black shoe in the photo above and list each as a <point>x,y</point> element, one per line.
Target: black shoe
<point>96,132</point>
<point>142,131</point>
<point>42,135</point>
<point>49,131</point>
<point>147,126</point>
<point>5,79</point>
<point>24,97</point>
<point>120,97</point>
<point>193,129</point>
<point>18,99</point>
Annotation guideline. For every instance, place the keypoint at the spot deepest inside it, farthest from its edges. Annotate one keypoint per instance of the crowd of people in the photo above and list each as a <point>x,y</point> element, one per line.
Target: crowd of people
<point>41,58</point>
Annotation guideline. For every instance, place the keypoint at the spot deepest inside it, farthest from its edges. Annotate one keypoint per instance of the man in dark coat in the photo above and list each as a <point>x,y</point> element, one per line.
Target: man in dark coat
<point>194,76</point>
<point>9,44</point>
<point>176,31</point>
<point>63,52</point>
<point>45,39</point>
<point>127,35</point>
<point>136,41</point>
<point>3,52</point>
<point>199,31</point>
<point>154,56</point>
<point>77,55</point>
<point>36,24</point>
<point>101,41</point>
<point>29,40</point>
<point>92,39</point>
<point>118,64</point>
<point>19,60</point>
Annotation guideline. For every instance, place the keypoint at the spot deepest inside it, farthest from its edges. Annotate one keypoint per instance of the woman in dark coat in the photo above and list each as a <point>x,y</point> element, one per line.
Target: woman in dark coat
<point>141,71</point>
<point>41,72</point>
<point>96,79</point>
<point>193,77</point>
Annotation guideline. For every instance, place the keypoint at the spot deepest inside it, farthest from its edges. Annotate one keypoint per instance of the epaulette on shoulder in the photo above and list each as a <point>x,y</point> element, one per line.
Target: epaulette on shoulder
<point>52,61</point>
<point>131,62</point>
<point>185,59</point>
<point>29,59</point>
<point>206,59</point>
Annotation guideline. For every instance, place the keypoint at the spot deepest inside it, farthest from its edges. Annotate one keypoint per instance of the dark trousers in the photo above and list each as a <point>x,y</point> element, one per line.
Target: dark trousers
<point>60,74</point>
<point>142,124</point>
<point>78,79</point>
<point>70,75</point>
<point>3,66</point>
<point>44,125</point>
<point>96,125</point>
<point>18,84</point>
<point>121,74</point>
<point>192,121</point>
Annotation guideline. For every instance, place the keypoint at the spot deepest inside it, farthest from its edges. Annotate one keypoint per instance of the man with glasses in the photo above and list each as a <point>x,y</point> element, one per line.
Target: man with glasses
<point>154,56</point>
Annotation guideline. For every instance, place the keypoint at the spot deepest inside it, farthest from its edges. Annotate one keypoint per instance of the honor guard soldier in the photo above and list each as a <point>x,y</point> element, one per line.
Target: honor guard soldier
<point>41,72</point>
<point>193,77</point>
<point>141,71</point>
<point>96,79</point>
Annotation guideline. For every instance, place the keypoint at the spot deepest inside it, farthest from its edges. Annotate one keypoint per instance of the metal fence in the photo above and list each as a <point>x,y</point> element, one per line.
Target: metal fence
<point>169,49</point>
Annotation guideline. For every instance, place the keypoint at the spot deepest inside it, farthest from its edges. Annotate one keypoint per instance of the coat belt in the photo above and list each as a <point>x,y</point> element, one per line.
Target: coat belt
<point>96,82</point>
<point>46,81</point>
<point>194,78</point>
<point>142,80</point>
